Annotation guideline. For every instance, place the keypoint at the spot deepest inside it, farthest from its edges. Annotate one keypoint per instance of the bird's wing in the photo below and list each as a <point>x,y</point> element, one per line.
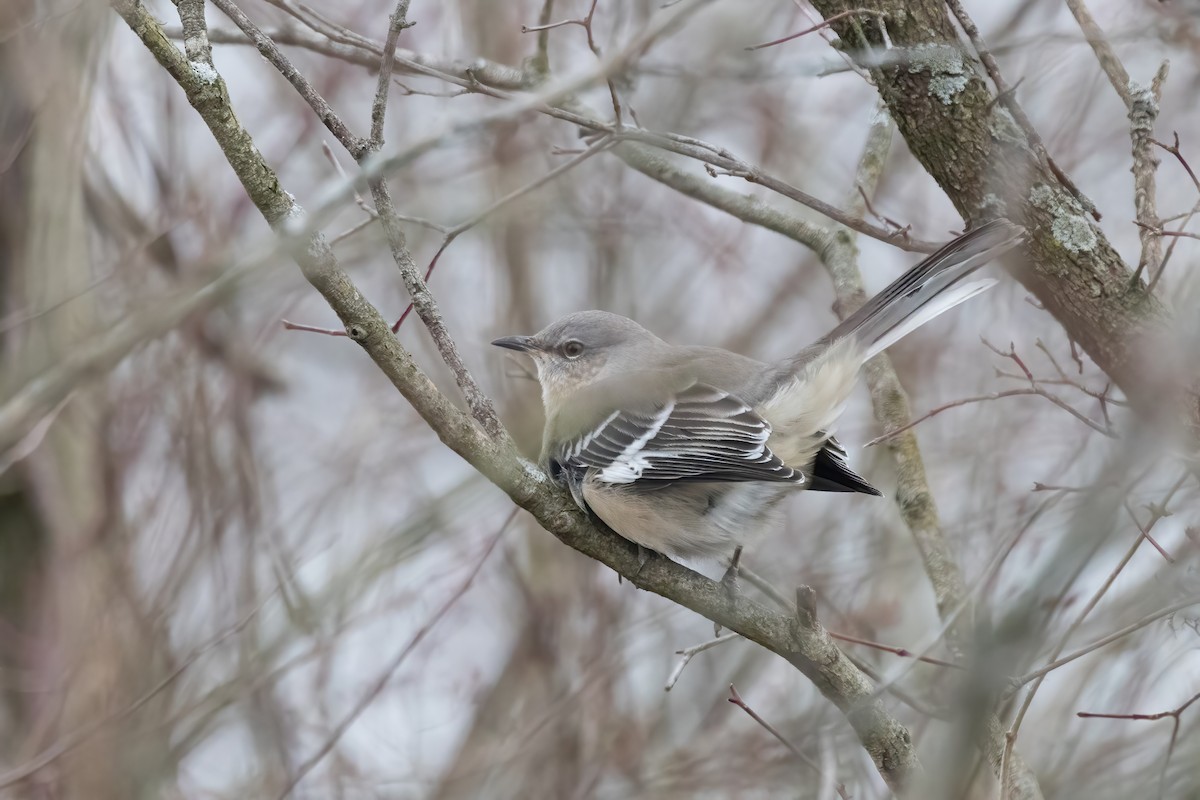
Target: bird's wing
<point>831,472</point>
<point>700,434</point>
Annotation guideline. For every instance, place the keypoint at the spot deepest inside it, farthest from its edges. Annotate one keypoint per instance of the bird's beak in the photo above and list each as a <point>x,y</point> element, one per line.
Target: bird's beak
<point>521,343</point>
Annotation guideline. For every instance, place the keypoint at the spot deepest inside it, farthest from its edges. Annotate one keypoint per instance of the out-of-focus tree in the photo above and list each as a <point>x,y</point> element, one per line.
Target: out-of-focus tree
<point>234,562</point>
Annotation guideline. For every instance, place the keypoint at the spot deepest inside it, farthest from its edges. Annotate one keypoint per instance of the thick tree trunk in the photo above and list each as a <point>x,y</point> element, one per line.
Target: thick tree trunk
<point>978,154</point>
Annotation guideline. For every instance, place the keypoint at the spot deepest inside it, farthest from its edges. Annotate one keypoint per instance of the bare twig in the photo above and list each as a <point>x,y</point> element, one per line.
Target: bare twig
<point>1174,714</point>
<point>1187,216</point>
<point>676,143</point>
<point>1112,66</point>
<point>1143,113</point>
<point>896,651</point>
<point>737,700</point>
<point>1145,531</point>
<point>266,47</point>
<point>451,233</point>
<point>398,22</point>
<point>689,653</point>
<point>1008,96</point>
<point>1174,150</point>
<point>1027,701</point>
<point>1107,640</point>
<point>586,23</point>
<point>385,676</point>
<point>983,398</point>
<point>819,26</point>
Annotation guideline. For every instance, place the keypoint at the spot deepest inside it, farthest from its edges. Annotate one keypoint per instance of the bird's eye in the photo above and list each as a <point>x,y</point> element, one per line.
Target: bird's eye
<point>572,349</point>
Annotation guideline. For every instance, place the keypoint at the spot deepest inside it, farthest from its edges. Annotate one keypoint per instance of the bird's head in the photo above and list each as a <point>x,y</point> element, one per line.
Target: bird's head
<point>580,349</point>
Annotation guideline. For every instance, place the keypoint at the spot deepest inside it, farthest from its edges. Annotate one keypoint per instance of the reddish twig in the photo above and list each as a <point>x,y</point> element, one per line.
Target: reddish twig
<point>820,25</point>
<point>450,234</point>
<point>1107,640</point>
<point>1162,267</point>
<point>901,230</point>
<point>1007,96</point>
<point>1035,388</point>
<point>1173,149</point>
<point>1173,714</point>
<point>896,651</point>
<point>1156,514</point>
<point>586,24</point>
<point>737,700</point>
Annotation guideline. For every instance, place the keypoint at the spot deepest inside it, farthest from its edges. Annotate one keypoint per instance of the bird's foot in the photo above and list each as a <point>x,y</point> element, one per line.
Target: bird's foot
<point>729,582</point>
<point>644,555</point>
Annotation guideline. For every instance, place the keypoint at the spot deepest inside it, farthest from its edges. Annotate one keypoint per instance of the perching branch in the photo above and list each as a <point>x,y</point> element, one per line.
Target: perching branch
<point>804,644</point>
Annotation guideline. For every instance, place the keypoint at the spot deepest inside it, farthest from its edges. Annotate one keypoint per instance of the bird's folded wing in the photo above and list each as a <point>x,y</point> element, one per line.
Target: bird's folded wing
<point>701,434</point>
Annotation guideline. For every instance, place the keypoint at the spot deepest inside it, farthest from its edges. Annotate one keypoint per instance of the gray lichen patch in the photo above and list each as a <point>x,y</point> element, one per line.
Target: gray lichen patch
<point>948,72</point>
<point>992,202</point>
<point>203,71</point>
<point>1004,127</point>
<point>1143,109</point>
<point>1069,226</point>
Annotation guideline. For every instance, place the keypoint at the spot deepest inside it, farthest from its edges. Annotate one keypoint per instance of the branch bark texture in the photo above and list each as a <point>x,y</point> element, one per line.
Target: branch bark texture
<point>799,639</point>
<point>978,154</point>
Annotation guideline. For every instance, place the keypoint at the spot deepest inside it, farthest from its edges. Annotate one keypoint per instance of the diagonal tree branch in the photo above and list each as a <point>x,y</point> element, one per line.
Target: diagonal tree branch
<point>800,639</point>
<point>914,499</point>
<point>971,145</point>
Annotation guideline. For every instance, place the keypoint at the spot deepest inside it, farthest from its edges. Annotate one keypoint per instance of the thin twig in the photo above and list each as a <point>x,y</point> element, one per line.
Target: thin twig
<point>1143,113</point>
<point>1175,715</point>
<point>385,676</point>
<point>1145,531</point>
<point>689,653</point>
<point>671,142</point>
<point>398,22</point>
<point>267,48</point>
<point>897,651</point>
<point>737,700</point>
<point>1107,640</point>
<point>81,735</point>
<point>1087,608</point>
<point>1187,216</point>
<point>983,398</point>
<point>825,23</point>
<point>1007,96</point>
<point>451,233</point>
<point>462,227</point>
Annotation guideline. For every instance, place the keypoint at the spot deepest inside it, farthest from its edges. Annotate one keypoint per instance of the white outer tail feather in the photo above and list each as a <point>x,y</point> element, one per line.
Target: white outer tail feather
<point>934,308</point>
<point>809,405</point>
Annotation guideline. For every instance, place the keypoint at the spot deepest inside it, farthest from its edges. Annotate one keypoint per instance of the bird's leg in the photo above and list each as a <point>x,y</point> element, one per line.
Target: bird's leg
<point>644,554</point>
<point>730,582</point>
<point>730,578</point>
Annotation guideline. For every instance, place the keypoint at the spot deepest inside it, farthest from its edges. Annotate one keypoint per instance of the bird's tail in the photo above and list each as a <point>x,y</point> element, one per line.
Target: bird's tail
<point>930,288</point>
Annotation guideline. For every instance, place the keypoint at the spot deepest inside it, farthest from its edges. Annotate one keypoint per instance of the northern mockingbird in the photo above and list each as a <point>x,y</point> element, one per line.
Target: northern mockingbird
<point>688,450</point>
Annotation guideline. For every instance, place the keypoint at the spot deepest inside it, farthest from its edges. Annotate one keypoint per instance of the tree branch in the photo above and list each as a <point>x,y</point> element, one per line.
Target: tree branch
<point>972,146</point>
<point>807,646</point>
<point>914,499</point>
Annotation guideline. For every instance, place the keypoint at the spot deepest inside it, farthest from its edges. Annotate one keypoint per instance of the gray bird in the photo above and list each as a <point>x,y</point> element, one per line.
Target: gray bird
<point>688,450</point>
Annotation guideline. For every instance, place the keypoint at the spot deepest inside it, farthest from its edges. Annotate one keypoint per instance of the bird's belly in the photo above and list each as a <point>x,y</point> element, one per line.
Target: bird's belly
<point>692,520</point>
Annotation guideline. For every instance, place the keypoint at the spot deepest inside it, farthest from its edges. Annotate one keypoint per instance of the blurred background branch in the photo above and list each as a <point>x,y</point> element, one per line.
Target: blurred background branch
<point>233,564</point>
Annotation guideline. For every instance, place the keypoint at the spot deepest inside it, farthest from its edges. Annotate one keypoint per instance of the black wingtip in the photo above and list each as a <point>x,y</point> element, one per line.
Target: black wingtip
<point>830,474</point>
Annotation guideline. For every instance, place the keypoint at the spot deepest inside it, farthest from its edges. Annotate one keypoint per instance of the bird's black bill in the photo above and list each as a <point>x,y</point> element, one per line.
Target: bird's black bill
<point>520,343</point>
